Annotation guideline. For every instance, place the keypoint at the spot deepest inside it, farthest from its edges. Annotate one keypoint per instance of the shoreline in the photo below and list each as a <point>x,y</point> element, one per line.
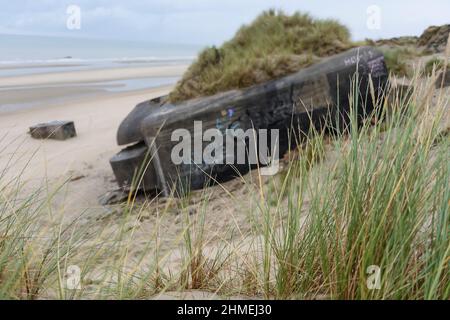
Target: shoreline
<point>96,94</point>
<point>83,76</point>
<point>39,162</point>
<point>36,91</point>
<point>97,114</point>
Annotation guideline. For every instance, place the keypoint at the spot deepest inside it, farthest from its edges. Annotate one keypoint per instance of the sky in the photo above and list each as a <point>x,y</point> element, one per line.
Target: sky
<point>207,22</point>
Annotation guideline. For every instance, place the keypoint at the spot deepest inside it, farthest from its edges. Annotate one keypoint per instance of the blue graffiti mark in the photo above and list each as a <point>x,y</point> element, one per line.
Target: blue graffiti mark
<point>235,125</point>
<point>224,121</point>
<point>219,123</point>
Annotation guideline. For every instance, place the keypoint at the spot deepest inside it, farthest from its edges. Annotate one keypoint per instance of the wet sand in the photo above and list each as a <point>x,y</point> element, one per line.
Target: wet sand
<point>100,75</point>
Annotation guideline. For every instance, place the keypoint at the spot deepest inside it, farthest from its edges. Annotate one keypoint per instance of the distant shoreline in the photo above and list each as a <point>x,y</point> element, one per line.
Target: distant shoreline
<point>36,65</point>
<point>35,90</point>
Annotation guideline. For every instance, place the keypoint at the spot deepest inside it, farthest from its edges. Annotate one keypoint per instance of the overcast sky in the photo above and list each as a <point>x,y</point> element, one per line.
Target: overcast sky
<point>208,22</point>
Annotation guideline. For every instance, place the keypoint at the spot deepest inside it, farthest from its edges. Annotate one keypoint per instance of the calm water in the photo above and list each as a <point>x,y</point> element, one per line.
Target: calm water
<point>35,49</point>
<point>26,55</point>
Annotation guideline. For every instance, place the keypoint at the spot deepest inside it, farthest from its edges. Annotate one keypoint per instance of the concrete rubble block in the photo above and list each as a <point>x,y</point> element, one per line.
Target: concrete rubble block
<point>57,130</point>
<point>309,97</point>
<point>129,166</point>
<point>305,99</point>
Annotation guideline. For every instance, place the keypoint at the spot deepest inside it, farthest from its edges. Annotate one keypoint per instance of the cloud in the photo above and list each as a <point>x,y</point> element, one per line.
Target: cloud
<point>207,21</point>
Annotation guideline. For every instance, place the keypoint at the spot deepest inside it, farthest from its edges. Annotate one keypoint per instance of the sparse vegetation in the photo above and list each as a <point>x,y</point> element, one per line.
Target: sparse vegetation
<point>272,46</point>
<point>375,195</point>
<point>398,61</point>
<point>276,44</point>
<point>436,64</point>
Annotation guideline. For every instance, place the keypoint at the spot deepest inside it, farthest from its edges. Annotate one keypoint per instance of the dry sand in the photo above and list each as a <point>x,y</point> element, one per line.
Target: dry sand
<point>97,117</point>
<point>81,165</point>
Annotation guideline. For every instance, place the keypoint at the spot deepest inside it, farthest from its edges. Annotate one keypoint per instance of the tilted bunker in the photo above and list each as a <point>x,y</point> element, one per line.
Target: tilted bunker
<point>316,95</point>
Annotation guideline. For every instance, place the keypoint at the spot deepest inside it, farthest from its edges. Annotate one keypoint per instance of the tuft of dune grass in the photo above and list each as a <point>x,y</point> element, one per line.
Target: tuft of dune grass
<point>273,45</point>
<point>398,59</point>
<point>434,64</point>
<point>276,44</point>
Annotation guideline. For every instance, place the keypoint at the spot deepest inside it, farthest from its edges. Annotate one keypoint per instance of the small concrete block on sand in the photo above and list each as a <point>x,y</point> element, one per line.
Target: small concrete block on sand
<point>58,130</point>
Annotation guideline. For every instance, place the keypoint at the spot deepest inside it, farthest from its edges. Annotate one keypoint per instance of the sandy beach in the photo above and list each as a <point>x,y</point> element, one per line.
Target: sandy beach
<point>76,173</point>
<point>97,113</point>
<point>90,76</point>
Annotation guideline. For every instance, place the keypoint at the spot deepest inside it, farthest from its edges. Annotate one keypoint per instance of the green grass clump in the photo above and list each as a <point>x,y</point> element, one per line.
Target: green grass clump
<point>397,61</point>
<point>272,46</point>
<point>32,255</point>
<point>381,204</point>
<point>434,64</point>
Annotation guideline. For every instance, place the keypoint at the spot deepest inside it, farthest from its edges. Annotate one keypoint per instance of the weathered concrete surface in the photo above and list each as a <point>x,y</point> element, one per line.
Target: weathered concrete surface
<point>57,130</point>
<point>132,165</point>
<point>310,97</point>
<point>307,98</point>
<point>130,129</point>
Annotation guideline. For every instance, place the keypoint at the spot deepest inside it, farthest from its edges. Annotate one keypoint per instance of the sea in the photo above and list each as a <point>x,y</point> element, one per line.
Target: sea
<point>43,50</point>
<point>22,55</point>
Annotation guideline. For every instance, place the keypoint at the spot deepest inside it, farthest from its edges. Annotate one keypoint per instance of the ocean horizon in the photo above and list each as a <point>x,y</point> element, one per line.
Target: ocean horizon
<point>25,54</point>
<point>40,55</point>
<point>17,49</point>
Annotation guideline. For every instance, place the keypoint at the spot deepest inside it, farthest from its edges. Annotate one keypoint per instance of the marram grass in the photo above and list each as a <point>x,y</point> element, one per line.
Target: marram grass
<point>273,45</point>
<point>373,198</point>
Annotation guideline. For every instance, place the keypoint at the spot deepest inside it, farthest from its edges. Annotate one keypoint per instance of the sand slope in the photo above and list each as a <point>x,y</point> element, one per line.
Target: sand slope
<point>84,157</point>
